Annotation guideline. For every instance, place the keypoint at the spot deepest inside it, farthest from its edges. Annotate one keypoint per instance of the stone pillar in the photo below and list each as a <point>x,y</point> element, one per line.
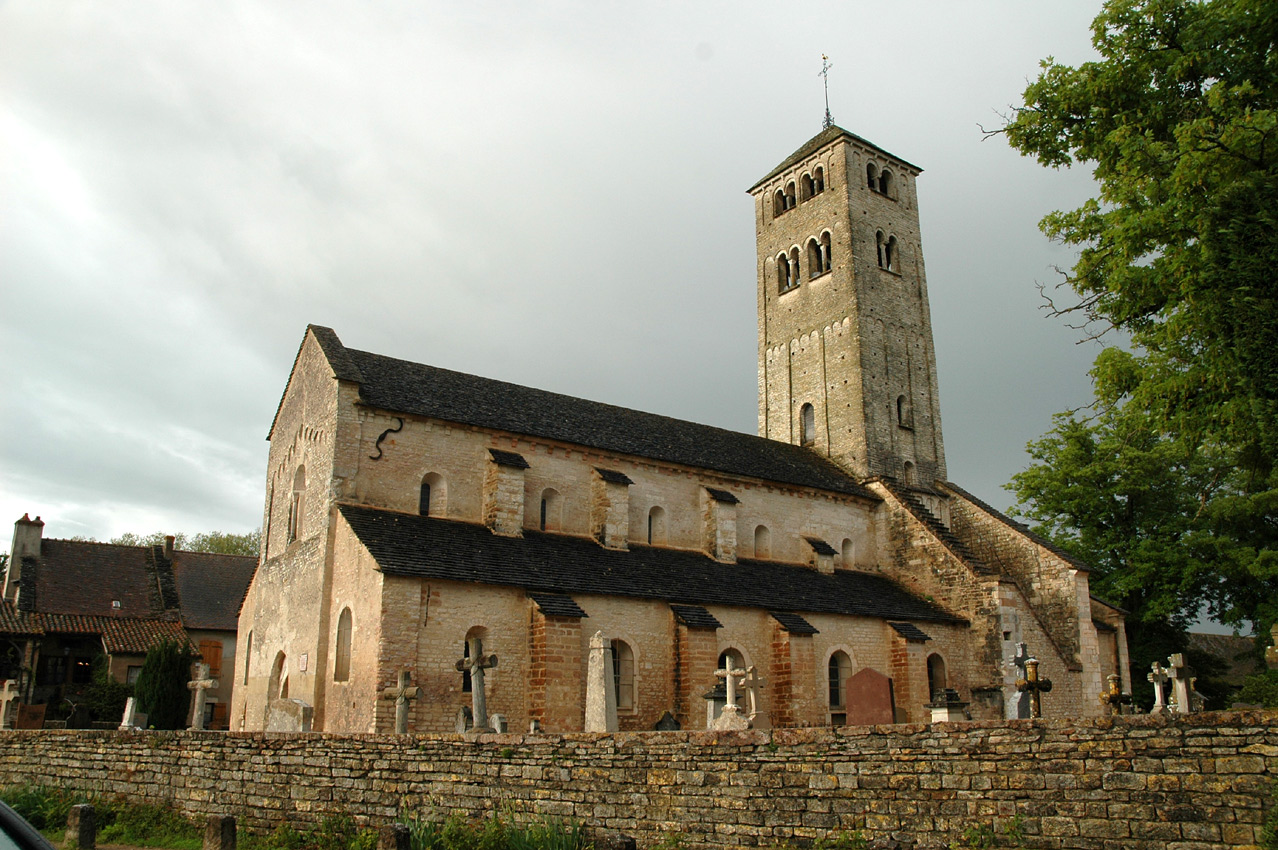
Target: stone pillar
<point>556,687</point>
<point>610,509</point>
<point>696,657</point>
<point>219,833</point>
<point>82,827</point>
<point>719,524</point>
<point>793,680</point>
<point>503,500</point>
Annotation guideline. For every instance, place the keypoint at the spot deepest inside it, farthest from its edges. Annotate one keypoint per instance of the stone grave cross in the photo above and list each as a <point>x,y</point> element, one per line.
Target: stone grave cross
<point>730,718</point>
<point>402,694</point>
<point>476,662</point>
<point>1158,678</point>
<point>753,683</point>
<point>1180,676</point>
<point>1114,698</point>
<point>1034,686</point>
<point>200,686</point>
<point>1019,707</point>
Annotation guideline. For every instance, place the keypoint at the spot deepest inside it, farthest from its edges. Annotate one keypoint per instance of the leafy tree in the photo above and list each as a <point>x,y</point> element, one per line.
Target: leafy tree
<point>218,542</point>
<point>1179,121</point>
<point>105,697</point>
<point>161,687</point>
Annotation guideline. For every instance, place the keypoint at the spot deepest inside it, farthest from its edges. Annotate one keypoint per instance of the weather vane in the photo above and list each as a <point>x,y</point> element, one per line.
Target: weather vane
<point>828,121</point>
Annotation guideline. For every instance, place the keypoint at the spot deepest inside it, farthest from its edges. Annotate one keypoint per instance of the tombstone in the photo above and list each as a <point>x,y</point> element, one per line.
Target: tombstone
<point>8,703</point>
<point>130,720</point>
<point>499,723</point>
<point>464,721</point>
<point>219,833</point>
<point>534,727</point>
<point>30,716</point>
<point>289,715</point>
<point>730,718</point>
<point>868,699</point>
<point>1018,701</point>
<point>82,827</point>
<point>1158,678</point>
<point>1035,686</point>
<point>1182,702</point>
<point>601,689</point>
<point>477,663</point>
<point>753,684</point>
<point>1114,699</point>
<point>402,695</point>
<point>667,723</point>
<point>200,686</point>
<point>948,708</point>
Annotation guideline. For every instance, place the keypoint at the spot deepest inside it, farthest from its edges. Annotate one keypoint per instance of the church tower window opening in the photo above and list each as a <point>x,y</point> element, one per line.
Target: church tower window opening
<point>880,245</point>
<point>806,188</point>
<point>786,277</point>
<point>885,183</point>
<point>623,675</point>
<point>295,505</point>
<point>889,254</point>
<point>789,195</point>
<point>908,473</point>
<point>816,263</point>
<point>762,542</point>
<point>656,526</point>
<point>248,657</point>
<point>807,425</point>
<point>778,203</point>
<point>904,413</point>
<point>794,265</point>
<point>838,671</point>
<point>825,250</point>
<point>818,180</point>
<point>872,176</point>
<point>274,684</point>
<point>342,657</point>
<point>848,553</point>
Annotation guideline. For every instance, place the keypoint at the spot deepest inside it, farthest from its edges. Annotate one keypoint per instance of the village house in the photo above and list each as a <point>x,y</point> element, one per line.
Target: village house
<point>430,524</point>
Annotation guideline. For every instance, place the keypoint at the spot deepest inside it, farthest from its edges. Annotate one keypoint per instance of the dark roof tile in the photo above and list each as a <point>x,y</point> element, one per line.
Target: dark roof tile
<point>557,605</point>
<point>793,623</point>
<point>1021,527</point>
<point>820,546</point>
<point>511,459</point>
<point>722,496</point>
<point>695,617</point>
<point>212,588</point>
<point>909,631</point>
<point>612,476</point>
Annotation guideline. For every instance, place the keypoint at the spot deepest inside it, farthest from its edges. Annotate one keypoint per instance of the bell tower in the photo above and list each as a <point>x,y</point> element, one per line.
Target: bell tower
<point>846,363</point>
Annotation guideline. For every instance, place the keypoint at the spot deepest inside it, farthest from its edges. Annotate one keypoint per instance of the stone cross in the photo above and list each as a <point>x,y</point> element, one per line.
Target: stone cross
<point>8,703</point>
<point>476,662</point>
<point>200,686</point>
<point>402,694</point>
<point>1019,704</point>
<point>1114,698</point>
<point>601,688</point>
<point>1180,676</point>
<point>1158,678</point>
<point>730,718</point>
<point>753,683</point>
<point>1034,686</point>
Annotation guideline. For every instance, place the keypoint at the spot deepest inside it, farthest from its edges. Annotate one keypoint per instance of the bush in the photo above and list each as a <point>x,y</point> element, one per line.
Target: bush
<point>1261,688</point>
<point>44,808</point>
<point>161,689</point>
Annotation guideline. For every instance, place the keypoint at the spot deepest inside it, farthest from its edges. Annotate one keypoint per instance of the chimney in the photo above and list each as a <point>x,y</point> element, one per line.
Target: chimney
<point>168,546</point>
<point>27,534</point>
<point>610,508</point>
<point>503,503</point>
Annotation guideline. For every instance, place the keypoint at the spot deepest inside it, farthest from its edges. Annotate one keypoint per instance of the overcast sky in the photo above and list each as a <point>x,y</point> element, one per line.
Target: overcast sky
<point>547,193</point>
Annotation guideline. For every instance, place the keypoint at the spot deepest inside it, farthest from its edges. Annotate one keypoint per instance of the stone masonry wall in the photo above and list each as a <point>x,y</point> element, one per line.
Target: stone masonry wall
<point>1196,783</point>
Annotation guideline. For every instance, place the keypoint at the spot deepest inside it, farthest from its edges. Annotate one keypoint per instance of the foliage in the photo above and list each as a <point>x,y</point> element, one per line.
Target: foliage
<point>161,687</point>
<point>216,542</point>
<point>495,833</point>
<point>1179,121</point>
<point>981,836</point>
<point>1260,689</point>
<point>105,697</point>
<point>146,825</point>
<point>43,807</point>
<point>335,832</point>
<point>1269,829</point>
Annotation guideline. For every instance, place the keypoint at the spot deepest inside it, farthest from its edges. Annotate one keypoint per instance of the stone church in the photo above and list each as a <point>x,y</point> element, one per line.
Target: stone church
<point>410,509</point>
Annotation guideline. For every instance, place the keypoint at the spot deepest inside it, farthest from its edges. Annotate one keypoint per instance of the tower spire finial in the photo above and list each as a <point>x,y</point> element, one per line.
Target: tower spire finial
<point>828,121</point>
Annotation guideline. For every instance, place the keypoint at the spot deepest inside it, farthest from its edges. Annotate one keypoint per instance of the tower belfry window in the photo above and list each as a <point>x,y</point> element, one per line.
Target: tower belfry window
<point>806,187</point>
<point>879,247</point>
<point>778,203</point>
<point>807,425</point>
<point>885,182</point>
<point>789,195</point>
<point>818,180</point>
<point>785,273</point>
<point>816,263</point>
<point>889,254</point>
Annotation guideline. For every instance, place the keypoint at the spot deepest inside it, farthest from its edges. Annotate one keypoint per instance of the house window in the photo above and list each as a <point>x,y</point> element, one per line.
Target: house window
<point>82,671</point>
<point>935,675</point>
<point>52,670</point>
<point>838,672</point>
<point>656,526</point>
<point>807,425</point>
<point>762,542</point>
<point>623,675</point>
<point>342,658</point>
<point>466,684</point>
<point>295,505</point>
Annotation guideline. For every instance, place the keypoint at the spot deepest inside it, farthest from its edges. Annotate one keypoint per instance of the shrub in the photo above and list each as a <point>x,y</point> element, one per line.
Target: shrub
<point>161,689</point>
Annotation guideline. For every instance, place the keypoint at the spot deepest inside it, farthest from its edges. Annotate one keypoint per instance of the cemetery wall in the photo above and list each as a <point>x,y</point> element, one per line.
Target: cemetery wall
<point>1193,783</point>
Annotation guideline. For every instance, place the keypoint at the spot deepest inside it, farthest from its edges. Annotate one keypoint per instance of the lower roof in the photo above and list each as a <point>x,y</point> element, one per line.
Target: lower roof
<point>429,547</point>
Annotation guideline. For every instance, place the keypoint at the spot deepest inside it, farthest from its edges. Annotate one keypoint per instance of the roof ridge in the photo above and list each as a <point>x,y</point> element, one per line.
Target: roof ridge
<point>1018,526</point>
<point>945,536</point>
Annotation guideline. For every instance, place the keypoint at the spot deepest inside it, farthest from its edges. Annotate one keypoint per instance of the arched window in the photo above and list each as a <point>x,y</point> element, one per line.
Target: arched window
<point>807,425</point>
<point>805,187</point>
<point>838,671</point>
<point>434,495</point>
<point>552,510</point>
<point>623,675</point>
<point>657,525</point>
<point>825,250</point>
<point>794,266</point>
<point>342,657</point>
<point>872,176</point>
<point>295,505</point>
<point>880,245</point>
<point>904,412</point>
<point>785,275</point>
<point>909,474</point>
<point>248,658</point>
<point>889,254</point>
<point>778,203</point>
<point>789,195</point>
<point>885,182</point>
<point>935,675</point>
<point>762,542</point>
<point>818,180</point>
<point>816,266</point>
<point>849,553</point>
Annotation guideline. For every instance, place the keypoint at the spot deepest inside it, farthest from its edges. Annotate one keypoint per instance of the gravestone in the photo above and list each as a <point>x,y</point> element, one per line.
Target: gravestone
<point>1178,667</point>
<point>948,708</point>
<point>130,720</point>
<point>534,727</point>
<point>464,720</point>
<point>1271,654</point>
<point>601,691</point>
<point>30,716</point>
<point>730,718</point>
<point>499,723</point>
<point>200,686</point>
<point>8,703</point>
<point>1035,685</point>
<point>753,684</point>
<point>1158,678</point>
<point>1113,698</point>
<point>402,695</point>
<point>476,663</point>
<point>868,698</point>
<point>1018,701</point>
<point>289,715</point>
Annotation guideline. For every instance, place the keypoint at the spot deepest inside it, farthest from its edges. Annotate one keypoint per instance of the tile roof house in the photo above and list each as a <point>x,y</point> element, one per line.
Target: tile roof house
<point>66,602</point>
<point>411,510</point>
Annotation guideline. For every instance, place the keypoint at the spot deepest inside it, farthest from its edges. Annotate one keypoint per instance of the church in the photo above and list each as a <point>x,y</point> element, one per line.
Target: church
<point>414,514</point>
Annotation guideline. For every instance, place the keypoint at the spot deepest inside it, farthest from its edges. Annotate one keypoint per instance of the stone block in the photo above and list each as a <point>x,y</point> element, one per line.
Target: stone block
<point>219,833</point>
<point>82,827</point>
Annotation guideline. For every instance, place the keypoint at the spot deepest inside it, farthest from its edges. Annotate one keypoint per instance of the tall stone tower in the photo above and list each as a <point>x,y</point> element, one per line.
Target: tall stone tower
<point>846,363</point>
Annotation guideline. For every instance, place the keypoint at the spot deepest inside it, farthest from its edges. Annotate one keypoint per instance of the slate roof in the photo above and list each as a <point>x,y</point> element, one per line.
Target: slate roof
<point>695,617</point>
<point>557,605</point>
<point>948,539</point>
<point>399,386</point>
<point>212,588</point>
<point>612,476</point>
<point>722,496</point>
<point>909,631</point>
<point>430,547</point>
<point>793,623</point>
<point>511,459</point>
<point>820,546</point>
<point>819,141</point>
<point>78,577</point>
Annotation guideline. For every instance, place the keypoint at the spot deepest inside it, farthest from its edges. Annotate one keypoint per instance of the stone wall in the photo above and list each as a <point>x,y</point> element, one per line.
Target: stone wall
<point>1141,782</point>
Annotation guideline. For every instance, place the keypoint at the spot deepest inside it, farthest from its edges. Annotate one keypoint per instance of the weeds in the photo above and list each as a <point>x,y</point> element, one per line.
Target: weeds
<point>496,833</point>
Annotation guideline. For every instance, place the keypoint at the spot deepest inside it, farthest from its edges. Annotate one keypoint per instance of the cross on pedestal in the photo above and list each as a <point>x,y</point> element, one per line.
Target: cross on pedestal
<point>1114,698</point>
<point>753,683</point>
<point>730,717</point>
<point>1020,701</point>
<point>200,685</point>
<point>402,695</point>
<point>1158,678</point>
<point>1034,686</point>
<point>476,662</point>
<point>1180,676</point>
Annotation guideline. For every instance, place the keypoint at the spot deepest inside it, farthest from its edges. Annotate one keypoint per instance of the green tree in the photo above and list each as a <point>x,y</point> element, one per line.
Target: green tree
<point>161,687</point>
<point>218,542</point>
<point>1179,121</point>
